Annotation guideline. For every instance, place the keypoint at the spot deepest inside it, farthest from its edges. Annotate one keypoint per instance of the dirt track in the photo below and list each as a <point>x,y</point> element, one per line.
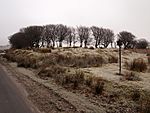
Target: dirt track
<point>11,98</point>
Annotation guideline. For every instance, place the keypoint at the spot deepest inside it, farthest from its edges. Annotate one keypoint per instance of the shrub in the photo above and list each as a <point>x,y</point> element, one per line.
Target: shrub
<point>136,65</point>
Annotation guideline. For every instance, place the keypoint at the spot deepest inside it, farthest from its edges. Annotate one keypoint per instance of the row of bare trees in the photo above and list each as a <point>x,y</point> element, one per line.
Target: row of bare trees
<point>50,35</point>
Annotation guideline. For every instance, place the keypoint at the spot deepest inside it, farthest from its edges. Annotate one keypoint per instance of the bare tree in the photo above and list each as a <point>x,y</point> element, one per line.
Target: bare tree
<point>70,36</point>
<point>43,40</point>
<point>51,34</point>
<point>98,35</point>
<point>84,33</point>
<point>74,38</point>
<point>95,31</point>
<point>62,32</point>
<point>127,39</point>
<point>108,37</point>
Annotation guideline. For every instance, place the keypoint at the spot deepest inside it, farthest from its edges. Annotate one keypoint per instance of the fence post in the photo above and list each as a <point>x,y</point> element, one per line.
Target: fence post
<point>119,43</point>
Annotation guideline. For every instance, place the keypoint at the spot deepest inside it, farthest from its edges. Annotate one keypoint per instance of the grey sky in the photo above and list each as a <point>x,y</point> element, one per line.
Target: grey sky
<point>118,15</point>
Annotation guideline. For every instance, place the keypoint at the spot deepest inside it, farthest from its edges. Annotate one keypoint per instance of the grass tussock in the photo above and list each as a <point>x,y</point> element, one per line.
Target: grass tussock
<point>73,79</point>
<point>136,95</point>
<point>81,58</point>
<point>43,50</point>
<point>146,107</point>
<point>98,85</point>
<point>131,76</point>
<point>23,58</point>
<point>145,102</point>
<point>138,65</point>
<point>113,59</point>
<point>51,71</point>
<point>82,61</point>
<point>148,59</point>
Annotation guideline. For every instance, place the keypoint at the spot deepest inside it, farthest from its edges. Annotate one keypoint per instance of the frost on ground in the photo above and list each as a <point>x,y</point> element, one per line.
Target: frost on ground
<point>50,96</point>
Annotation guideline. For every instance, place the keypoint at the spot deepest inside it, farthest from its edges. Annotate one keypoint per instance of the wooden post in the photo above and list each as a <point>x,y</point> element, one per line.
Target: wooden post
<point>119,60</point>
<point>119,43</point>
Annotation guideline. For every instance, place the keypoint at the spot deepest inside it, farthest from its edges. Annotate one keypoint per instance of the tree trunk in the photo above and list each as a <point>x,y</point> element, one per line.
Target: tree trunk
<point>53,43</point>
<point>105,45</point>
<point>48,44</point>
<point>96,44</point>
<point>80,44</point>
<point>60,44</point>
<point>74,44</point>
<point>70,44</point>
<point>42,45</point>
<point>111,45</point>
<point>85,44</point>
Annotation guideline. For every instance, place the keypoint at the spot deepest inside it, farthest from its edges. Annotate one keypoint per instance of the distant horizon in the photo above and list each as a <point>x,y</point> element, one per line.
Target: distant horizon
<point>118,15</point>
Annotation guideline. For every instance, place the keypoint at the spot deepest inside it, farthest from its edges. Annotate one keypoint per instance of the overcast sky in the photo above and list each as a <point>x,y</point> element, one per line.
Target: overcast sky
<point>118,15</point>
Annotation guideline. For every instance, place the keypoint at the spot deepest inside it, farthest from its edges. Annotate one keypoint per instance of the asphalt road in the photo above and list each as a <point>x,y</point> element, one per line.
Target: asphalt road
<point>11,98</point>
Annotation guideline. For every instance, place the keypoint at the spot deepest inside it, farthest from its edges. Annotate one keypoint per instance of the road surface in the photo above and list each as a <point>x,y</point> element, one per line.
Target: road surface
<point>11,98</point>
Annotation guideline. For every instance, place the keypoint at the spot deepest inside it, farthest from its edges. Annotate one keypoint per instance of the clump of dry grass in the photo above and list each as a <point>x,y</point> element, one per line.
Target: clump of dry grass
<point>131,76</point>
<point>81,58</point>
<point>23,58</point>
<point>136,65</point>
<point>148,59</point>
<point>113,59</point>
<point>89,81</point>
<point>146,107</point>
<point>136,95</point>
<point>83,61</point>
<point>98,85</point>
<point>144,102</point>
<point>72,79</point>
<point>75,79</point>
<point>43,50</point>
<point>95,83</point>
<point>62,75</point>
<point>27,62</point>
<point>51,71</point>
